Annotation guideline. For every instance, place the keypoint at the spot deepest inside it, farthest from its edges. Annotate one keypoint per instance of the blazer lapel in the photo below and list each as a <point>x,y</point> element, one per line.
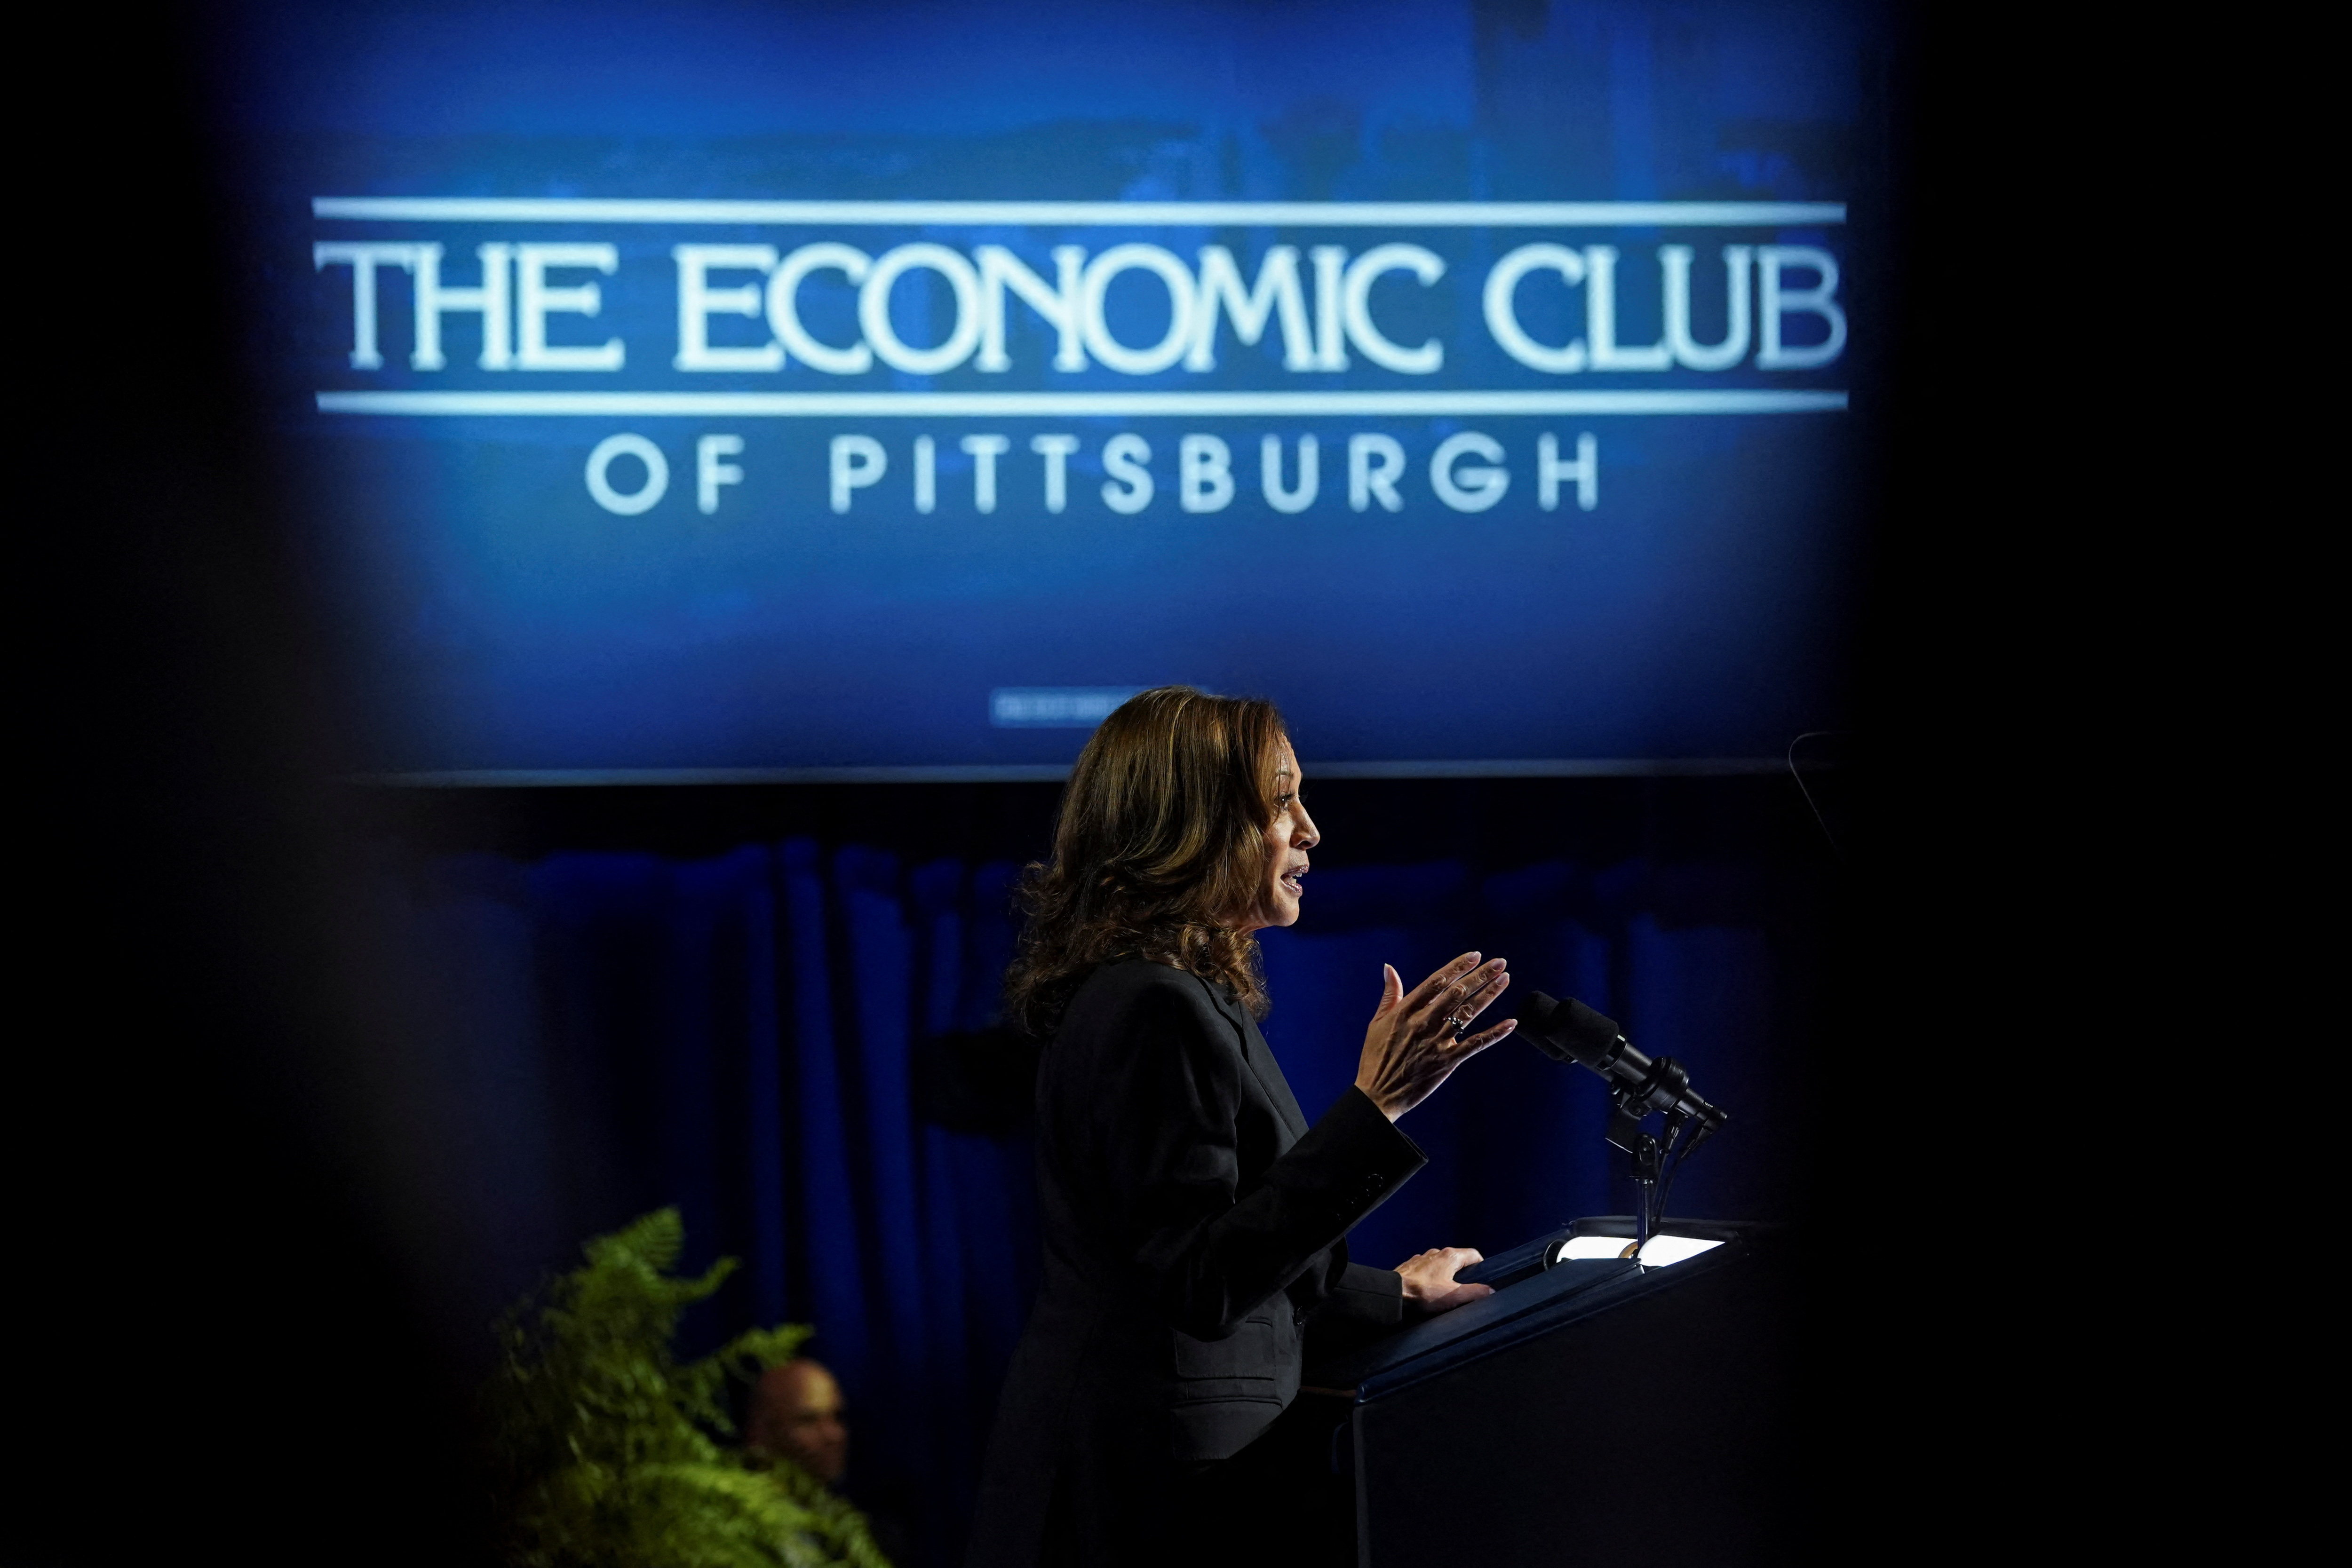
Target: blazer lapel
<point>1261,1061</point>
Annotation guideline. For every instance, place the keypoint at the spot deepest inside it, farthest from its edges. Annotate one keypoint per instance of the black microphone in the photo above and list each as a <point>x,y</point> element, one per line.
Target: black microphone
<point>1570,1031</point>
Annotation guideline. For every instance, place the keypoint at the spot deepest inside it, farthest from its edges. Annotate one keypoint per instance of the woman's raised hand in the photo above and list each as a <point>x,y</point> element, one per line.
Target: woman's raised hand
<point>1418,1037</point>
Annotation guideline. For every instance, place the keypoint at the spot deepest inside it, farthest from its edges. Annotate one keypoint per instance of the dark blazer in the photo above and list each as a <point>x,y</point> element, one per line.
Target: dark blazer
<point>1192,1223</point>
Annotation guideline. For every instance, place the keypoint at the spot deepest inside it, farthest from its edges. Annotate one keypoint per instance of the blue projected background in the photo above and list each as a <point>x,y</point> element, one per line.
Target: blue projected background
<point>725,386</point>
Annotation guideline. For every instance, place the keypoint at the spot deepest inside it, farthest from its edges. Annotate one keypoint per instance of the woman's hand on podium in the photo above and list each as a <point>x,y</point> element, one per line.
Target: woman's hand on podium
<point>1429,1286</point>
<point>1417,1037</point>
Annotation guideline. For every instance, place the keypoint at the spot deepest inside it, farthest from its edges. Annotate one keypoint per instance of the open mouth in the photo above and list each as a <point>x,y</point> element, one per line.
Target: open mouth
<point>1293,878</point>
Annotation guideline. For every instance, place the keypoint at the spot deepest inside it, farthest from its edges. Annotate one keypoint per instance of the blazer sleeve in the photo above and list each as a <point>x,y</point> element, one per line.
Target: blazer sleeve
<point>1369,1295</point>
<point>1212,1254</point>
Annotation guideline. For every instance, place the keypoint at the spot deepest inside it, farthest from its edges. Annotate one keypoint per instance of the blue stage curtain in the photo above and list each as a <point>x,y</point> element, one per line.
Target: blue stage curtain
<point>740,1036</point>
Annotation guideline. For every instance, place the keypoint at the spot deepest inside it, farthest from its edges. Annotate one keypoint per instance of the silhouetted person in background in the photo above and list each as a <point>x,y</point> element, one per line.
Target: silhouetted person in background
<point>796,1416</point>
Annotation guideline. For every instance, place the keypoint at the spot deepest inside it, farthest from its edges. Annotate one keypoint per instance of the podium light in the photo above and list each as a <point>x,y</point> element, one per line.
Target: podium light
<point>1656,1253</point>
<point>1662,1249</point>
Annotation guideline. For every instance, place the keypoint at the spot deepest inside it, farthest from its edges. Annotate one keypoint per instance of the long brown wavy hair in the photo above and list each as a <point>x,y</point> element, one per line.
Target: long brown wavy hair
<point>1160,847</point>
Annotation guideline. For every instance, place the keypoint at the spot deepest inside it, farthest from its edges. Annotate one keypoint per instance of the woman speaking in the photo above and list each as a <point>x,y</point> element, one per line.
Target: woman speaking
<point>1193,1219</point>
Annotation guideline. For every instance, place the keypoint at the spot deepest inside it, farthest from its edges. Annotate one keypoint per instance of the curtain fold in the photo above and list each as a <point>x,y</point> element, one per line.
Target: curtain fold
<point>789,1043</point>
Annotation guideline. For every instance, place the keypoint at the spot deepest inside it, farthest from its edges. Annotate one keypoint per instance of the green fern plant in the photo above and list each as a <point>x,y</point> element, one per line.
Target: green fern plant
<point>604,1447</point>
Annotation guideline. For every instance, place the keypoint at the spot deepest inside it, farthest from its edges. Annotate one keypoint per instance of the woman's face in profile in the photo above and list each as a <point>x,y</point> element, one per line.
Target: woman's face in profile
<point>1288,839</point>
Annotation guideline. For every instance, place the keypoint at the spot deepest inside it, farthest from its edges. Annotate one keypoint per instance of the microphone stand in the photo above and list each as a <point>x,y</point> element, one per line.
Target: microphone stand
<point>1653,1174</point>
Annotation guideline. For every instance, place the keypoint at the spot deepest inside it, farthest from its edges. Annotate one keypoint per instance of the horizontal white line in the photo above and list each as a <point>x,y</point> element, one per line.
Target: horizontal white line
<point>1117,215</point>
<point>625,777</point>
<point>1006,773</point>
<point>1069,405</point>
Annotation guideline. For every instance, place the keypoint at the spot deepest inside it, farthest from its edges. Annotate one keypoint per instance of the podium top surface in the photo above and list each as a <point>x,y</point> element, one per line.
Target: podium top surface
<point>1541,1301</point>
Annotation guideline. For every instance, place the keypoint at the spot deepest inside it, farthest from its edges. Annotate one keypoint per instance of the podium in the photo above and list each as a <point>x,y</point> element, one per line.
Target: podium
<point>1595,1409</point>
